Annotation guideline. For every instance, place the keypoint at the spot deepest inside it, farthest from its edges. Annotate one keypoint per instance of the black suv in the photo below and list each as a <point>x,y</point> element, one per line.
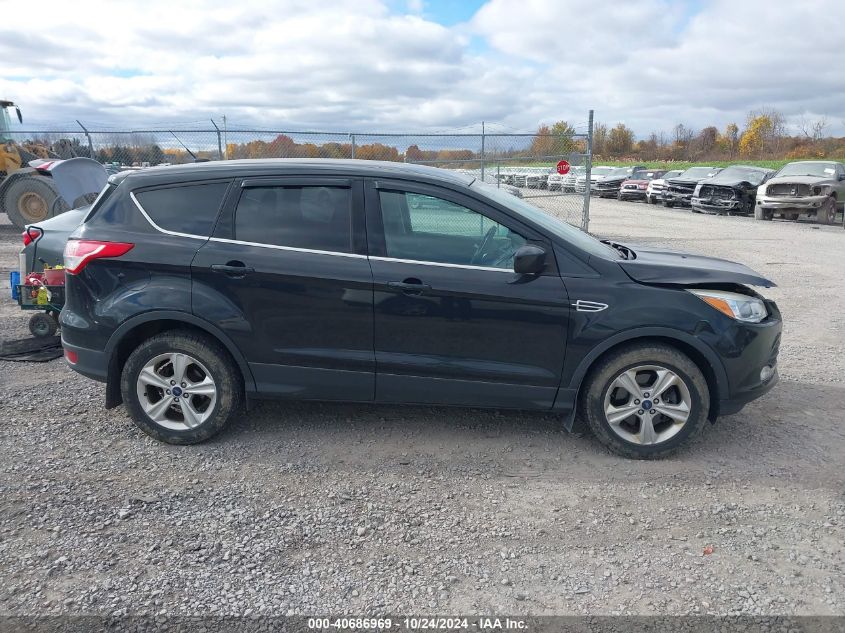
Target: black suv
<point>193,288</point>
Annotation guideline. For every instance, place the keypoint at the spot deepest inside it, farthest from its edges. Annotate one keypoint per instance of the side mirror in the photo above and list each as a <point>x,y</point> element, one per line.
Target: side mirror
<point>529,260</point>
<point>841,176</point>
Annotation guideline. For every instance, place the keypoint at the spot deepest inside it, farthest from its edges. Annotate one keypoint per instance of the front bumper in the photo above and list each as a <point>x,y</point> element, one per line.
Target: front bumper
<point>679,199</point>
<point>710,205</point>
<point>746,349</point>
<point>783,203</point>
<point>632,194</point>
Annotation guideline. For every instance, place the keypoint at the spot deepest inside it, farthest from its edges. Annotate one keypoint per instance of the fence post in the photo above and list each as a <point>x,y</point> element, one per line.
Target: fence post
<point>219,141</point>
<point>482,151</point>
<point>90,144</point>
<point>352,136</point>
<point>585,219</point>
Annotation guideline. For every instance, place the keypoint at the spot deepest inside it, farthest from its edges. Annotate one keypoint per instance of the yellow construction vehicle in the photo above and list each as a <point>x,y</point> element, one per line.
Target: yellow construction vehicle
<point>28,193</point>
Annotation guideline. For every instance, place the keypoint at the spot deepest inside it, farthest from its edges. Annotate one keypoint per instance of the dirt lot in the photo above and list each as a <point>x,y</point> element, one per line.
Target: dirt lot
<point>317,508</point>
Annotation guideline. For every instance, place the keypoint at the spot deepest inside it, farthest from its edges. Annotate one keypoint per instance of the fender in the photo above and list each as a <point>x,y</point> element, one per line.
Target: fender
<point>567,396</point>
<point>184,317</point>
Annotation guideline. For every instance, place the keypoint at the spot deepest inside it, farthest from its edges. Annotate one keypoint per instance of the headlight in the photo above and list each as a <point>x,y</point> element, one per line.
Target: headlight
<point>734,305</point>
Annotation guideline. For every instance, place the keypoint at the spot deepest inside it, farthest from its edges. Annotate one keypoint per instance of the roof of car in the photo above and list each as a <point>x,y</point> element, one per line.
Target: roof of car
<point>291,166</point>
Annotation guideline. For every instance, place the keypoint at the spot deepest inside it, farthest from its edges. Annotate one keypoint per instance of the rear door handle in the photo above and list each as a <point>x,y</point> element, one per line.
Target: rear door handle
<point>232,269</point>
<point>409,286</point>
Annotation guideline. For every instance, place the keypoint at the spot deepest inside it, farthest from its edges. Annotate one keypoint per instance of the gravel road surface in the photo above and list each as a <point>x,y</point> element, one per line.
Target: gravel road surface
<point>329,508</point>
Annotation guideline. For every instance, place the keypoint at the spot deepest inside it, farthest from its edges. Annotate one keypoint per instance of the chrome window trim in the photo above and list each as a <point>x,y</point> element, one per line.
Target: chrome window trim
<point>294,249</point>
<point>158,228</point>
<point>442,264</point>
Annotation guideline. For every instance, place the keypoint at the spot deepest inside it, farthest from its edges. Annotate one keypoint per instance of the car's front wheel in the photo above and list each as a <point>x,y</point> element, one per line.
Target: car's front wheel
<point>827,212</point>
<point>644,401</point>
<point>181,387</point>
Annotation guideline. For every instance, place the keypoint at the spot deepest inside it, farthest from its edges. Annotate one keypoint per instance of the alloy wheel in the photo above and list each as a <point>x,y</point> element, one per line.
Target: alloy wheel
<point>647,404</point>
<point>176,391</point>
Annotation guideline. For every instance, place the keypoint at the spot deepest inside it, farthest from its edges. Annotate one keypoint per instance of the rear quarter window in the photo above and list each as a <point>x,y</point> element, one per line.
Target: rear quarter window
<point>190,209</point>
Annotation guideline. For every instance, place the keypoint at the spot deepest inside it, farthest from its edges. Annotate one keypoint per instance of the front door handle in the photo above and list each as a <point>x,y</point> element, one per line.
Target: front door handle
<point>233,269</point>
<point>410,286</point>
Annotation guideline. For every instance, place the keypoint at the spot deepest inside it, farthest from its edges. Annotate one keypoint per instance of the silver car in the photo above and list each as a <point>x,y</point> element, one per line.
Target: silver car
<point>812,187</point>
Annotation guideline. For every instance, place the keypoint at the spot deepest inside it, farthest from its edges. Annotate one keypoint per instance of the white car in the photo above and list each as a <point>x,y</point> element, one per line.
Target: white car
<point>654,191</point>
<point>596,173</point>
<point>564,182</point>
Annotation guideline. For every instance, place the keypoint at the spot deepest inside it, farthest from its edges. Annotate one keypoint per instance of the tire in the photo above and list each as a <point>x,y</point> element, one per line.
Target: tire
<point>827,212</point>
<point>668,205</point>
<point>43,325</point>
<point>201,358</point>
<point>791,216</point>
<point>31,199</point>
<point>762,214</point>
<point>645,360</point>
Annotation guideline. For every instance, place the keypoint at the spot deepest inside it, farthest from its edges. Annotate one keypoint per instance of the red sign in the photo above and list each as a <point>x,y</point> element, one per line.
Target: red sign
<point>563,167</point>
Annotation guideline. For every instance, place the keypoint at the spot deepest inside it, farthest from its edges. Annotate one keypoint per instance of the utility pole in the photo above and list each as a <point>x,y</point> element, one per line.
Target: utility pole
<point>225,137</point>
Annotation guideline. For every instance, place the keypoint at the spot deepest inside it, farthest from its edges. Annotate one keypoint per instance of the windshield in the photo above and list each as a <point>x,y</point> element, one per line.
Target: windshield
<point>697,173</point>
<point>573,235</point>
<point>619,172</point>
<point>823,170</point>
<point>673,174</point>
<point>753,176</point>
<point>600,171</point>
<point>646,175</point>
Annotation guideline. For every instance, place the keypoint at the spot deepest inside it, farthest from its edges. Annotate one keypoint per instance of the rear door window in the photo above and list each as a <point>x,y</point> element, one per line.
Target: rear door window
<point>306,217</point>
<point>189,209</point>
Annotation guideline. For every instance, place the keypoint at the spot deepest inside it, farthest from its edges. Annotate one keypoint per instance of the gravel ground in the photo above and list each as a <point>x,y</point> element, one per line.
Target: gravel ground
<point>327,508</point>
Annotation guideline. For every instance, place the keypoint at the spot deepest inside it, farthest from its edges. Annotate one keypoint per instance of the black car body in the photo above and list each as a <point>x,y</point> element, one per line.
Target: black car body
<point>382,282</point>
<point>609,185</point>
<point>678,191</point>
<point>730,192</point>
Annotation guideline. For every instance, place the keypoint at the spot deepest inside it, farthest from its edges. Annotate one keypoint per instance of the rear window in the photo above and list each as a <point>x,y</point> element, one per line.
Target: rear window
<point>188,209</point>
<point>307,217</point>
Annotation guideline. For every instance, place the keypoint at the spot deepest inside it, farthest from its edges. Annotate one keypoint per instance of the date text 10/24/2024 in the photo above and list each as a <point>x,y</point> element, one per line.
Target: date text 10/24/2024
<point>418,624</point>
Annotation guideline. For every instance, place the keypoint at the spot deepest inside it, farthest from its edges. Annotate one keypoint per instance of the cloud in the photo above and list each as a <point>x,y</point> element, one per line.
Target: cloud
<point>387,65</point>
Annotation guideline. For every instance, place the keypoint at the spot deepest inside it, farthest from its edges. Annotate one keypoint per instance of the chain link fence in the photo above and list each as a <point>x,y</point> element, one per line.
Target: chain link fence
<point>522,164</point>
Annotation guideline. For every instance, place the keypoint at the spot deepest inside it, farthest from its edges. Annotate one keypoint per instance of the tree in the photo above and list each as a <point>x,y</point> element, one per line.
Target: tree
<point>599,138</point>
<point>728,142</point>
<point>753,140</point>
<point>706,140</point>
<point>414,154</point>
<point>620,140</point>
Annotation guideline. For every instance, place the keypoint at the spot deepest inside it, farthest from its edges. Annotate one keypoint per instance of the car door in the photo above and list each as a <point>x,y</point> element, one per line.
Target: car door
<point>453,323</point>
<point>286,277</point>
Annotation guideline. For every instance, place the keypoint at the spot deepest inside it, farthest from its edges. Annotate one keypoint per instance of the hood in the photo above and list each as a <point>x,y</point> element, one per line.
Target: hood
<point>612,179</point>
<point>636,181</point>
<point>685,181</point>
<point>800,180</point>
<point>663,266</point>
<point>728,181</point>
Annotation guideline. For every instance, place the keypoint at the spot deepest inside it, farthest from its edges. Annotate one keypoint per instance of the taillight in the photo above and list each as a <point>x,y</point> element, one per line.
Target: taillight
<point>71,357</point>
<point>78,253</point>
<point>30,235</point>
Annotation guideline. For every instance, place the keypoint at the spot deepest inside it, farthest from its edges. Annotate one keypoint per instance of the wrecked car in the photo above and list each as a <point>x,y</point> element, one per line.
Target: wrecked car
<point>678,191</point>
<point>812,187</point>
<point>608,187</point>
<point>730,192</point>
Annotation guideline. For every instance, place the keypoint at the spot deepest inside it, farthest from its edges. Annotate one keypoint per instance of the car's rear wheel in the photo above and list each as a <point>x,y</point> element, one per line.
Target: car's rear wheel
<point>827,212</point>
<point>645,400</point>
<point>181,387</point>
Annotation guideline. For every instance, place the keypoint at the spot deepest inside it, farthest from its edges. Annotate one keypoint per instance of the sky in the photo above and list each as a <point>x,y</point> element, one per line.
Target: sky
<point>422,65</point>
